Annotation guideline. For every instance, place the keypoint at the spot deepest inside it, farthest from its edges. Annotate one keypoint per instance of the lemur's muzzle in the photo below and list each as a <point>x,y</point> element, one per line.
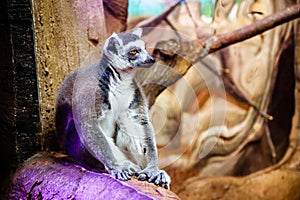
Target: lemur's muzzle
<point>149,61</point>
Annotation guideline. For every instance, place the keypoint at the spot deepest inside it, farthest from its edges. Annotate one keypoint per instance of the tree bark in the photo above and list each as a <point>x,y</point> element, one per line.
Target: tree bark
<point>53,176</point>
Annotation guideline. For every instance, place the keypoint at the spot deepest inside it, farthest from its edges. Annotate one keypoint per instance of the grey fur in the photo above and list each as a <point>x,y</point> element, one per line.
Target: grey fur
<point>127,37</point>
<point>102,115</point>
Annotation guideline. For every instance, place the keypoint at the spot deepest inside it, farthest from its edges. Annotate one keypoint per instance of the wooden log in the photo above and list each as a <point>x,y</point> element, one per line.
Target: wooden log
<point>52,176</point>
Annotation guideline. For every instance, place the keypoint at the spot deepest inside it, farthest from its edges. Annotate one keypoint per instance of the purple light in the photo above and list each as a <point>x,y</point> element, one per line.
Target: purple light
<point>48,177</point>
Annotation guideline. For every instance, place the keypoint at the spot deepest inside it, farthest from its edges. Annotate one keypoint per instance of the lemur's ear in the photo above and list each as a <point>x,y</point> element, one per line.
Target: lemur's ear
<point>113,44</point>
<point>138,32</point>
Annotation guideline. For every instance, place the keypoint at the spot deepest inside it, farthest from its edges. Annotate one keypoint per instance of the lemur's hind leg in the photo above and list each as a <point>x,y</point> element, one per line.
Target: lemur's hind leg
<point>151,173</point>
<point>136,135</point>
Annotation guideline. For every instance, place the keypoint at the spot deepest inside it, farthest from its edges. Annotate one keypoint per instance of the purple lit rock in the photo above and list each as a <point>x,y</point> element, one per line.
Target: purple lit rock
<point>50,176</point>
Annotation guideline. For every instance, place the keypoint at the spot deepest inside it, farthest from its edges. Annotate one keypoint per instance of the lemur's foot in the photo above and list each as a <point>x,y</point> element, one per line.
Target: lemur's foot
<point>156,176</point>
<point>124,171</point>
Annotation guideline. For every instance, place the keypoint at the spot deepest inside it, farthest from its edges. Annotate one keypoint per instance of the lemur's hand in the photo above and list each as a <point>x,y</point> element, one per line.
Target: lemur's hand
<point>124,171</point>
<point>156,176</point>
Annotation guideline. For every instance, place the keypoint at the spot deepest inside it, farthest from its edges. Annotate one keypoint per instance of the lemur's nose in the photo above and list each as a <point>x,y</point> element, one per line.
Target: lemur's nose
<point>151,59</point>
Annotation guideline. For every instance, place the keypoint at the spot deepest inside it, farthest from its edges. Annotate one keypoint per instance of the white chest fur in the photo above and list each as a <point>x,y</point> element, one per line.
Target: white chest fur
<point>120,96</point>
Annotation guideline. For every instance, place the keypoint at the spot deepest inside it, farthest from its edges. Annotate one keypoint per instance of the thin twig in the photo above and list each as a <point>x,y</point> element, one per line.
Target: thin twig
<point>270,143</point>
<point>161,17</point>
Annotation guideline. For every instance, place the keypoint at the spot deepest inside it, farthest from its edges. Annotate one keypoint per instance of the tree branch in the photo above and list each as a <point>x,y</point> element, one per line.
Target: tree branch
<point>217,42</point>
<point>220,41</point>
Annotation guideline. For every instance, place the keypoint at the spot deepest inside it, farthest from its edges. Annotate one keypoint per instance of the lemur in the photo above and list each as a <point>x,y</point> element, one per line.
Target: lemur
<point>101,114</point>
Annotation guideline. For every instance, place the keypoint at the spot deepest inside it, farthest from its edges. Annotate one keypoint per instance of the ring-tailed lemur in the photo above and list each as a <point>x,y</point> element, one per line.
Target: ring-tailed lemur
<point>101,114</point>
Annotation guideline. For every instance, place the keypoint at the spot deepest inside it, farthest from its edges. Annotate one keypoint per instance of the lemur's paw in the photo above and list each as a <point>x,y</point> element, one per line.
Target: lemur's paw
<point>121,175</point>
<point>124,171</point>
<point>162,179</point>
<point>158,177</point>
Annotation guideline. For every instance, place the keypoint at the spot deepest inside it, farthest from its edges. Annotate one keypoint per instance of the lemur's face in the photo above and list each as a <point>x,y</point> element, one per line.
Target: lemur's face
<point>127,51</point>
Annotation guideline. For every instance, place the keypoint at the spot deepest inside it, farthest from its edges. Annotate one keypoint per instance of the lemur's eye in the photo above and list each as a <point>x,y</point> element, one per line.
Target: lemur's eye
<point>133,52</point>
